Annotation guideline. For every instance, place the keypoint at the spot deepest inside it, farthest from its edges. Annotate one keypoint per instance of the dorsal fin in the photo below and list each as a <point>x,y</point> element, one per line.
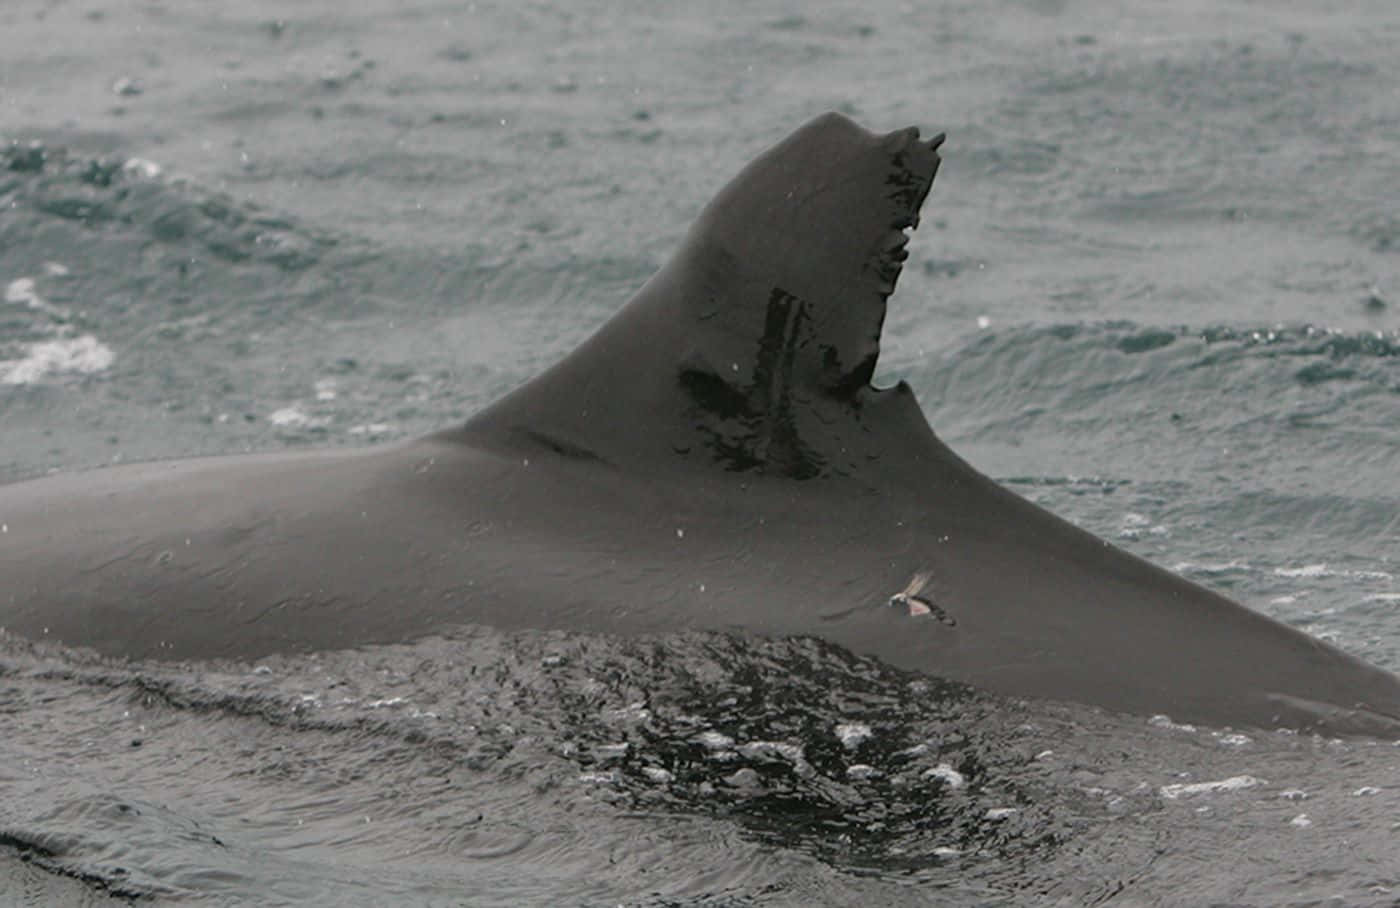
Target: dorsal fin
<point>753,348</point>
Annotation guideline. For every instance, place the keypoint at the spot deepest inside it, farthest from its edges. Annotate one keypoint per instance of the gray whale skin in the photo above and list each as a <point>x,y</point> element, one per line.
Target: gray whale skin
<point>714,457</point>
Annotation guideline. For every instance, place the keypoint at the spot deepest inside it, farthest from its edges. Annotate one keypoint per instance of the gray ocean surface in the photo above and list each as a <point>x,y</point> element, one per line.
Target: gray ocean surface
<point>1156,290</point>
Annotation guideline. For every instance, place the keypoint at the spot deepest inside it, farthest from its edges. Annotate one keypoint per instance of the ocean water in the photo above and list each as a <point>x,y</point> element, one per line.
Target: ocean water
<point>1155,290</point>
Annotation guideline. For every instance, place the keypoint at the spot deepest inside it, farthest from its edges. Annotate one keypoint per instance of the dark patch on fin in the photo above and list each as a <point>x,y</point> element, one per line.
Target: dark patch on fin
<point>753,349</point>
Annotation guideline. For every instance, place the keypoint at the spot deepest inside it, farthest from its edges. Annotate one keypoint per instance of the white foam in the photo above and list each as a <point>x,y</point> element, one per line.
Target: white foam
<point>1133,525</point>
<point>755,750</point>
<point>1234,783</point>
<point>599,778</point>
<point>1225,567</point>
<point>852,734</point>
<point>1307,570</point>
<point>1322,569</point>
<point>950,776</point>
<point>288,417</point>
<point>140,167</point>
<point>21,292</point>
<point>606,752</point>
<point>713,740</point>
<point>1163,721</point>
<point>79,355</point>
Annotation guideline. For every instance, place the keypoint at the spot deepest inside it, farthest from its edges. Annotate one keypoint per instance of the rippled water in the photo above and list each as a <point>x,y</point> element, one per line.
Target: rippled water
<point>1155,290</point>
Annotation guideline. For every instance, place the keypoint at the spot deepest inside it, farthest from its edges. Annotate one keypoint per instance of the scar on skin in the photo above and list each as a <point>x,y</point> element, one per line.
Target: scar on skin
<point>920,605</point>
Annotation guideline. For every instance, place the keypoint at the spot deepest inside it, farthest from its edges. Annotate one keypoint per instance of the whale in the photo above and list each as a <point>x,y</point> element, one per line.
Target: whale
<point>714,457</point>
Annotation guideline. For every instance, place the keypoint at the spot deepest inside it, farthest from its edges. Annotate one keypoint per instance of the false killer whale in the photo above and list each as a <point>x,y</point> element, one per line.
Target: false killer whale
<point>714,457</point>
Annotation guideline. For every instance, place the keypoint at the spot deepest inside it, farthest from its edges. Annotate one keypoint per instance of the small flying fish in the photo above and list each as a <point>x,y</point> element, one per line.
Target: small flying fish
<point>918,605</point>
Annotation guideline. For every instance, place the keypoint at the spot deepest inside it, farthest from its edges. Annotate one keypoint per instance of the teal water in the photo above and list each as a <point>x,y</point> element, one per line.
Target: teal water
<point>1155,290</point>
